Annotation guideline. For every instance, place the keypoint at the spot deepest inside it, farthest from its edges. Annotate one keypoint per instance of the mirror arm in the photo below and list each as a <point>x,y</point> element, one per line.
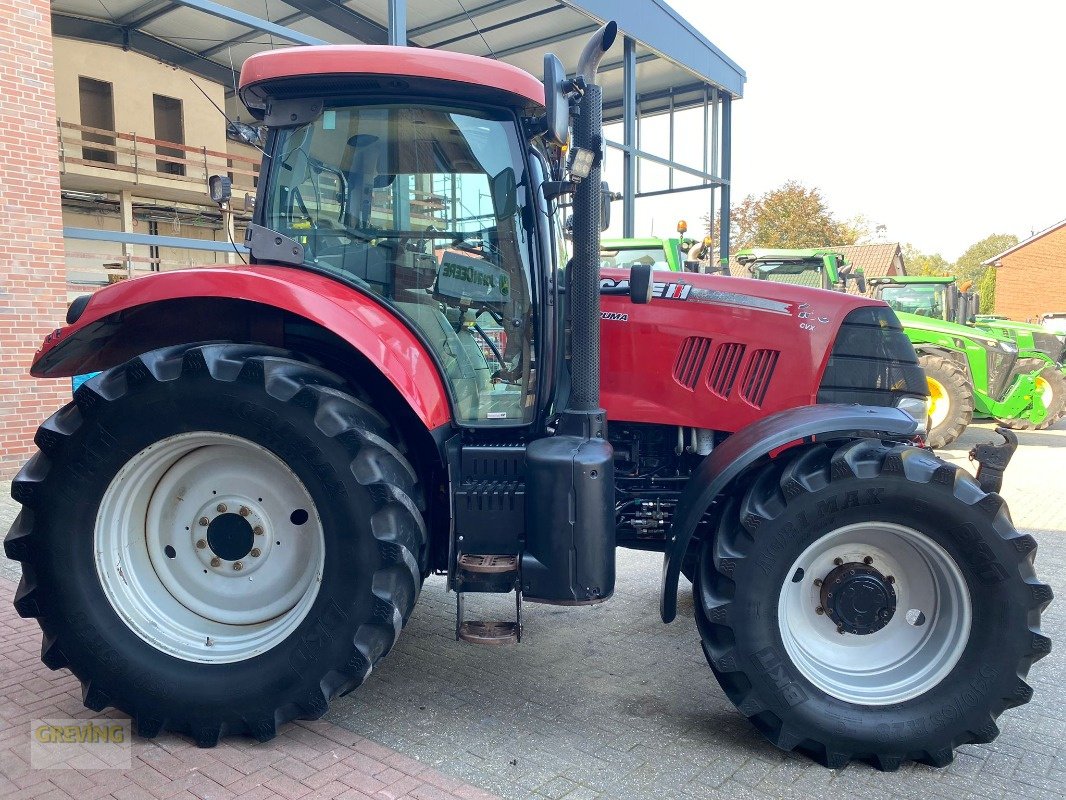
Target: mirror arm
<point>555,189</point>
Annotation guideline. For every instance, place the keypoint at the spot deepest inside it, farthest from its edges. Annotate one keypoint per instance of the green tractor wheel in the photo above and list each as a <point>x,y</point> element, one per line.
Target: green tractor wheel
<point>1051,384</point>
<point>951,400</point>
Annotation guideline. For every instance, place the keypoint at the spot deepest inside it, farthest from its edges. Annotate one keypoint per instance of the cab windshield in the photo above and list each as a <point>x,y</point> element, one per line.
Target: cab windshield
<point>929,300</point>
<point>801,273</point>
<point>652,256</point>
<point>425,207</point>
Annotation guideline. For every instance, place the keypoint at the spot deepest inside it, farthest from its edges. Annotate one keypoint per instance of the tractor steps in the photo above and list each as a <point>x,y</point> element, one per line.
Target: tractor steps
<point>487,574</point>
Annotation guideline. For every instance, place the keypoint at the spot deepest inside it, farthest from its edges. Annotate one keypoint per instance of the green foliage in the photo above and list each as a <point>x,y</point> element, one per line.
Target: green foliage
<point>790,216</point>
<point>987,287</point>
<point>919,263</point>
<point>970,266</point>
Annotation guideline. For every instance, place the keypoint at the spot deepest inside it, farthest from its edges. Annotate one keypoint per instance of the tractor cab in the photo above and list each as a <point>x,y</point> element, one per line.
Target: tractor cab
<point>824,269</point>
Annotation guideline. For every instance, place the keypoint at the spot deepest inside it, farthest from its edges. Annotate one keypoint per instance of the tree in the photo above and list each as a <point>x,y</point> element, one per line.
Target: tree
<point>919,263</point>
<point>970,266</point>
<point>987,289</point>
<point>789,216</point>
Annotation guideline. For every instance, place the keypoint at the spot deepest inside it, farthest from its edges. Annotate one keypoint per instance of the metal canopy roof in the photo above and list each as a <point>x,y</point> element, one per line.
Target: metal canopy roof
<point>212,38</point>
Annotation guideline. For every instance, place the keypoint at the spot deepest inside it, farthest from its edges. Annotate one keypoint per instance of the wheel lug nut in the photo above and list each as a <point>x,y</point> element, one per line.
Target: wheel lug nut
<point>201,544</point>
<point>817,581</point>
<point>221,508</point>
<point>819,610</point>
<point>216,561</point>
<point>867,561</point>
<point>838,561</point>
<point>840,629</point>
<point>237,566</point>
<point>258,530</point>
<point>890,579</point>
<point>256,552</point>
<point>245,511</point>
<point>205,521</point>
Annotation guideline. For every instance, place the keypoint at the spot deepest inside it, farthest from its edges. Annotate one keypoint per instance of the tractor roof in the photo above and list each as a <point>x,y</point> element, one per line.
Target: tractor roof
<point>633,243</point>
<point>399,62</point>
<point>779,254</point>
<point>945,279</point>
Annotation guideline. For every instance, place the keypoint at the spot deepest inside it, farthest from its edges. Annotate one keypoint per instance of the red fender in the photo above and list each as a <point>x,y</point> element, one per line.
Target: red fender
<point>365,324</point>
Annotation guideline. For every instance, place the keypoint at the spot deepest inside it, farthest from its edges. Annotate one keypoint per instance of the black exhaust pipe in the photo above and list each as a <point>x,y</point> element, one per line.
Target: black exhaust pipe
<point>569,555</point>
<point>584,286</point>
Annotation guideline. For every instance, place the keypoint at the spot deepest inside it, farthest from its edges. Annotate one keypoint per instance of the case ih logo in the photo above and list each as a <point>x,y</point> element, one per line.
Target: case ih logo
<point>666,291</point>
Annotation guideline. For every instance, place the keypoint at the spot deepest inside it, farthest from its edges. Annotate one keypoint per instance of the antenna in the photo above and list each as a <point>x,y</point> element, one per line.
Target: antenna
<point>476,28</point>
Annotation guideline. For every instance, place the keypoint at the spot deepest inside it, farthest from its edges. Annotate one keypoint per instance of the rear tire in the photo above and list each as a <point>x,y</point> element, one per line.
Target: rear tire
<point>1051,384</point>
<point>162,494</point>
<point>951,400</point>
<point>929,659</point>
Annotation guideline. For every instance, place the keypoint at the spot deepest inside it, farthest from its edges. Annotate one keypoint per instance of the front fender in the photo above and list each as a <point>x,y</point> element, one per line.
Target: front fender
<point>119,319</point>
<point>751,443</point>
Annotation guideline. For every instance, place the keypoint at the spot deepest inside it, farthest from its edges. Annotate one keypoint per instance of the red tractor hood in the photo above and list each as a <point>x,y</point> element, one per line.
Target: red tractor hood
<point>715,352</point>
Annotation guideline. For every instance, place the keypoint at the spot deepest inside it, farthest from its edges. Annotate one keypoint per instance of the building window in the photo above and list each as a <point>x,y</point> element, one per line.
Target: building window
<point>168,128</point>
<point>97,111</point>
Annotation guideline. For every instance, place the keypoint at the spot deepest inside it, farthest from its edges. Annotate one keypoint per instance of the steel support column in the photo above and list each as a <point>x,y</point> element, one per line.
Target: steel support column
<point>398,22</point>
<point>629,137</point>
<point>727,176</point>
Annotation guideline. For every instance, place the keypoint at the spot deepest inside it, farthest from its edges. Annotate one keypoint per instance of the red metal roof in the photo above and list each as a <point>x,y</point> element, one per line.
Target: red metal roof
<point>414,62</point>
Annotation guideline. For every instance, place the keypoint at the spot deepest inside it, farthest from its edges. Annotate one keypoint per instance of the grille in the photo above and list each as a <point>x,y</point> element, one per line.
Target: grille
<point>690,360</point>
<point>757,376</point>
<point>1000,371</point>
<point>724,368</point>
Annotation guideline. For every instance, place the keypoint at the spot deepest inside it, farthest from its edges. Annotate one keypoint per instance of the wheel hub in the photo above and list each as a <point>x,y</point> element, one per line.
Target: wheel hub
<point>858,598</point>
<point>230,536</point>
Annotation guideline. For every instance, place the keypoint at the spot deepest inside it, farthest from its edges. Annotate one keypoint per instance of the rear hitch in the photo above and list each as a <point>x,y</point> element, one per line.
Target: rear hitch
<point>992,460</point>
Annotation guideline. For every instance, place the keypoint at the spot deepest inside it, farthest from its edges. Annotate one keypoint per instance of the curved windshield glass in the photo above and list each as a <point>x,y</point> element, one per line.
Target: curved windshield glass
<point>800,273</point>
<point>425,207</point>
<point>927,300</point>
<point>653,256</point>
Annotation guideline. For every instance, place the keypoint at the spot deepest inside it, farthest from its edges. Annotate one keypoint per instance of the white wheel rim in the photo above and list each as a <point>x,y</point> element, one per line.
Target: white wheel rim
<point>209,547</point>
<point>903,659</point>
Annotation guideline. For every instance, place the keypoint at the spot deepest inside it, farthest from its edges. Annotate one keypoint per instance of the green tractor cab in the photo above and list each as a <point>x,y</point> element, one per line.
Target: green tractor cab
<point>970,372</point>
<point>659,254</point>
<point>942,298</point>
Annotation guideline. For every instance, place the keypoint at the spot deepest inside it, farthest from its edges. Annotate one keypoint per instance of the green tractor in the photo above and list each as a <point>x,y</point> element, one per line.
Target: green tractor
<point>970,372</point>
<point>676,254</point>
<point>942,298</point>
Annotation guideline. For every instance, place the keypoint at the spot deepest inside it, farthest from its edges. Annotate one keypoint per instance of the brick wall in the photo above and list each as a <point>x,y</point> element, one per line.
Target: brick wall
<point>1032,280</point>
<point>32,270</point>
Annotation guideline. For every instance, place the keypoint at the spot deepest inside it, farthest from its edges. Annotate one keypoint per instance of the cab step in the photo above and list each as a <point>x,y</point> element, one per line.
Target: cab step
<point>488,564</point>
<point>478,632</point>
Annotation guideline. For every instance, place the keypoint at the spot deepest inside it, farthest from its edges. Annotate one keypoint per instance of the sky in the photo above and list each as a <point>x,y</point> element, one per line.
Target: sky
<point>943,120</point>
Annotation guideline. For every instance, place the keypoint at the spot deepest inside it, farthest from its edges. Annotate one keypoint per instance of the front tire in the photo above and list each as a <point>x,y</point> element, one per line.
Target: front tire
<point>951,400</point>
<point>869,601</point>
<point>1051,385</point>
<point>217,539</point>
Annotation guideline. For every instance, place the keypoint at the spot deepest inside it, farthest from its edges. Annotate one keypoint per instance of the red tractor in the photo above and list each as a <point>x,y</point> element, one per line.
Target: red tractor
<point>230,525</point>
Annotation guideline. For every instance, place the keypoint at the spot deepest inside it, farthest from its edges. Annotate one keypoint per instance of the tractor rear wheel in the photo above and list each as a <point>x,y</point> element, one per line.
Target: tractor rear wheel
<point>217,539</point>
<point>868,601</point>
<point>1051,385</point>
<point>951,400</point>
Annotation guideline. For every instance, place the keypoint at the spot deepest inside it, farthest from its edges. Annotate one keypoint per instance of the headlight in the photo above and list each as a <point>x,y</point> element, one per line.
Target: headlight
<point>917,408</point>
<point>1008,347</point>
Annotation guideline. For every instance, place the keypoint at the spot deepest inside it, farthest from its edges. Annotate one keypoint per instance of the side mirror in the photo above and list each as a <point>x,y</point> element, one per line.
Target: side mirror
<point>860,281</point>
<point>220,188</point>
<point>556,105</point>
<point>605,206</point>
<point>504,193</point>
<point>640,283</point>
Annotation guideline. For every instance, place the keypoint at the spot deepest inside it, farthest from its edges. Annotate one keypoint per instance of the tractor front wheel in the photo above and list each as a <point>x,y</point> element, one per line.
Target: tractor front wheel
<point>951,400</point>
<point>216,539</point>
<point>1051,386</point>
<point>868,601</point>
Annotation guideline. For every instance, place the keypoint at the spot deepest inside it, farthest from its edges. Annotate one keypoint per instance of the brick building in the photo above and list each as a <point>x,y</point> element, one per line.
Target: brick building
<point>1031,276</point>
<point>33,275</point>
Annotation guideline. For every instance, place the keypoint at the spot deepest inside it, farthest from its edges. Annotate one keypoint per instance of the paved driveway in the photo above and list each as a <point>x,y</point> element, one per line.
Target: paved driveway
<point>607,702</point>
